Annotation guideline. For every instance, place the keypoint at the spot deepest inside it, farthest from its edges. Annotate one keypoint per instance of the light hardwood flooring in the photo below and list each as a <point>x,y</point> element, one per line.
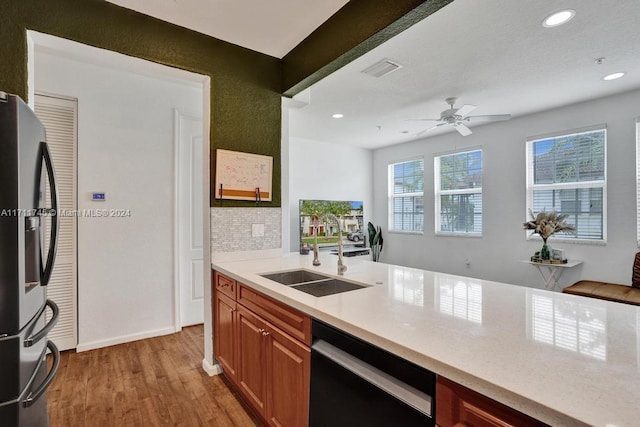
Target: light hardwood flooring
<point>153,382</point>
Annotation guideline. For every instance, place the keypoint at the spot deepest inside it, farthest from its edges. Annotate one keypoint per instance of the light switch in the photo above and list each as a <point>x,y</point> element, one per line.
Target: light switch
<point>257,230</point>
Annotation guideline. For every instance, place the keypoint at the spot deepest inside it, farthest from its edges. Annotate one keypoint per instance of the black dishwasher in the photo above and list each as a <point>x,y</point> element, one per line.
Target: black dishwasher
<point>354,383</point>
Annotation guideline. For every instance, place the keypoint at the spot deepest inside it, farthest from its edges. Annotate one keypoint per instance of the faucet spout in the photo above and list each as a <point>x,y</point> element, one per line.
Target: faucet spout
<point>316,260</point>
<point>341,266</point>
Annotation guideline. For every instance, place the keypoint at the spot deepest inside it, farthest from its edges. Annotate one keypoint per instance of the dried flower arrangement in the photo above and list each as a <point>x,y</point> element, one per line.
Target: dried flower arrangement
<point>547,224</point>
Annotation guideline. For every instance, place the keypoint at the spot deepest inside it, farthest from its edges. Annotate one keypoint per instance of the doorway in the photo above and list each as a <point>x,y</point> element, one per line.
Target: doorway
<point>190,234</point>
<point>128,285</point>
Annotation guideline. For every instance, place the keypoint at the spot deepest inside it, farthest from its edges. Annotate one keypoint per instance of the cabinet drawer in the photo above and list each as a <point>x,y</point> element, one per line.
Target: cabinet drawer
<point>225,284</point>
<point>291,321</point>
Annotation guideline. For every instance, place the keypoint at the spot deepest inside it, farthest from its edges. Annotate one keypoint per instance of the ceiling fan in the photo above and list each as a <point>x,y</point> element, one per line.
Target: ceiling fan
<point>455,117</point>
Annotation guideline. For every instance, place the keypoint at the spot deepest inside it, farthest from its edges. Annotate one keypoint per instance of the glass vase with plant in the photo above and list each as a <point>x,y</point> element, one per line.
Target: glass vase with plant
<point>546,224</point>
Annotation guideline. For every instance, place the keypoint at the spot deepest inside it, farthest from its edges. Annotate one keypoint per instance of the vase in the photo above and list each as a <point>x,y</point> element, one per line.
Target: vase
<point>545,252</point>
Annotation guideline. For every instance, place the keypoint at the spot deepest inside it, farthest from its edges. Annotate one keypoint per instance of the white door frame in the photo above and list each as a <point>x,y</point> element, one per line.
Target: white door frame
<point>206,215</point>
<point>179,116</point>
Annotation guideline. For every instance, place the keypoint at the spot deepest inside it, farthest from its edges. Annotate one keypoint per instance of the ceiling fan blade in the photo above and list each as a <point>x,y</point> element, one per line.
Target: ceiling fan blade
<point>489,118</point>
<point>462,129</point>
<point>428,129</point>
<point>465,109</point>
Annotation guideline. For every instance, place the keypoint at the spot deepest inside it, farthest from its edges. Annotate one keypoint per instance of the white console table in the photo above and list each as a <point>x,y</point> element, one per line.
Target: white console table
<point>551,272</point>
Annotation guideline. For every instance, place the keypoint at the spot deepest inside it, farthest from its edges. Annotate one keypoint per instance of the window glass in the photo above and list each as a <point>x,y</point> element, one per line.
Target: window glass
<point>406,198</point>
<point>566,174</point>
<point>458,188</point>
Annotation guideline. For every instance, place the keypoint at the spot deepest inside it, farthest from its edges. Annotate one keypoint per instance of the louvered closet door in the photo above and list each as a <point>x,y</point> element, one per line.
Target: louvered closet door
<point>59,117</point>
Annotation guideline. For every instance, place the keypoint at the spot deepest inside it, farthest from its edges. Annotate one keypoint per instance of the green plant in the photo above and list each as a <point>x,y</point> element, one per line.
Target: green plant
<point>375,241</point>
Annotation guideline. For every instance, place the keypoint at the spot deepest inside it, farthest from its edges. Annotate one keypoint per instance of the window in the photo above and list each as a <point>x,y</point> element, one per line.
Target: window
<point>566,173</point>
<point>406,196</point>
<point>458,193</point>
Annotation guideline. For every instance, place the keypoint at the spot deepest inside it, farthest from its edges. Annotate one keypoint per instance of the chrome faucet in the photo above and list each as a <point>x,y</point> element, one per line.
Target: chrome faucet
<point>341,267</point>
<point>315,220</point>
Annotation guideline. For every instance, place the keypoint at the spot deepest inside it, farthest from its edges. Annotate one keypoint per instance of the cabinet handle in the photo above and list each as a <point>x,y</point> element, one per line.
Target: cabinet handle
<point>265,334</point>
<point>261,331</point>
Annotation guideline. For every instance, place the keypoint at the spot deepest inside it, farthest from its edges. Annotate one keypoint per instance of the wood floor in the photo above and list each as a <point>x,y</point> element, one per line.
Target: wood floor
<point>153,382</point>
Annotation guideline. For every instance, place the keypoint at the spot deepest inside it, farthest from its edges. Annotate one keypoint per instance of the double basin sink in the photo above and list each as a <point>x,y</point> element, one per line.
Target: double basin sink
<point>312,283</point>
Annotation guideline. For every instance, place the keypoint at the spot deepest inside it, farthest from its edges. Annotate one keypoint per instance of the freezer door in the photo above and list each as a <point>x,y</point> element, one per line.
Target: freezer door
<point>20,354</point>
<point>22,161</point>
<point>30,408</point>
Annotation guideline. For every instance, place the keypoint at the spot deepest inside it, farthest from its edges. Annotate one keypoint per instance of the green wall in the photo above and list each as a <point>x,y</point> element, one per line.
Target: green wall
<point>245,85</point>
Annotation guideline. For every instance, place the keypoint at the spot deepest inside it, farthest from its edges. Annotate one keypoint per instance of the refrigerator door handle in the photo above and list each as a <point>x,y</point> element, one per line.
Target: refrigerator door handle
<point>42,388</point>
<point>51,255</point>
<point>35,338</point>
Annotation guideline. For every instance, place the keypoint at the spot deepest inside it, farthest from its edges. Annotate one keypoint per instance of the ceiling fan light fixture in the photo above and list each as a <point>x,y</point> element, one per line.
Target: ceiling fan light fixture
<point>558,18</point>
<point>337,115</point>
<point>613,76</point>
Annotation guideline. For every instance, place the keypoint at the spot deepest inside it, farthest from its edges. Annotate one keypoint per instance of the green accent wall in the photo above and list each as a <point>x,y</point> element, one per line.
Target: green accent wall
<point>358,27</point>
<point>245,85</point>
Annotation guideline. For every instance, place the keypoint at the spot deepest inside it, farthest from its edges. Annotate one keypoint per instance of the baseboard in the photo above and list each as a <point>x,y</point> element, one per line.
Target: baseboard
<point>124,339</point>
<point>210,369</point>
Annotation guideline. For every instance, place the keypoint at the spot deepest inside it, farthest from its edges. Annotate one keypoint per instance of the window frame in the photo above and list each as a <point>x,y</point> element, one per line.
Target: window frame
<point>439,192</point>
<point>601,184</point>
<point>392,195</point>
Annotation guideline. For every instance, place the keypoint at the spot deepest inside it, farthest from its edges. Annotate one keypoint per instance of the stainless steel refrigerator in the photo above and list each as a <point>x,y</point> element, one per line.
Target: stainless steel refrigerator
<point>26,172</point>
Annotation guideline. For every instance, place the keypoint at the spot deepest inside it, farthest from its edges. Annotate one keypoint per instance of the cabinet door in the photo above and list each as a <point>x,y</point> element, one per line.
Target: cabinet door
<point>224,324</point>
<point>459,406</point>
<point>287,380</point>
<point>252,364</point>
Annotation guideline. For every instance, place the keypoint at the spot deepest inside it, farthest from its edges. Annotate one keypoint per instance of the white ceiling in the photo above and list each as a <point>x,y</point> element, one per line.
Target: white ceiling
<point>273,27</point>
<point>492,53</point>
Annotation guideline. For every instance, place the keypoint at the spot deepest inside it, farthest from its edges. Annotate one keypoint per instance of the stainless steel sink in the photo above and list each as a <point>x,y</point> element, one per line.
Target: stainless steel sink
<point>312,283</point>
<point>294,277</point>
<point>327,287</point>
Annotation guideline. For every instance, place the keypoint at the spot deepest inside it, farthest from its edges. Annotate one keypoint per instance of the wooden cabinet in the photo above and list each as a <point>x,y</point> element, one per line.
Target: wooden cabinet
<point>459,406</point>
<point>252,363</point>
<point>225,347</point>
<point>263,348</point>
<point>288,379</point>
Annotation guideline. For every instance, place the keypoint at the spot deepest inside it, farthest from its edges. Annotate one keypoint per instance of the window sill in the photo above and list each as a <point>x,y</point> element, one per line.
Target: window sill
<point>454,234</point>
<point>416,233</point>
<point>587,242</point>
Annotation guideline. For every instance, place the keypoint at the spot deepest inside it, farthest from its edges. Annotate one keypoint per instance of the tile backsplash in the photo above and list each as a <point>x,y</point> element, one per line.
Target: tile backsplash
<point>231,229</point>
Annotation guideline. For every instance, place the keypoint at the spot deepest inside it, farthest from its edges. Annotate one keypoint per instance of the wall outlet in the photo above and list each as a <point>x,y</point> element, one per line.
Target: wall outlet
<point>257,230</point>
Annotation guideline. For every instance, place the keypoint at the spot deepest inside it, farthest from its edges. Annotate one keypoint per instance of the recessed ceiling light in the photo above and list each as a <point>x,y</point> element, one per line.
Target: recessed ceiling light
<point>613,76</point>
<point>558,18</point>
<point>337,116</point>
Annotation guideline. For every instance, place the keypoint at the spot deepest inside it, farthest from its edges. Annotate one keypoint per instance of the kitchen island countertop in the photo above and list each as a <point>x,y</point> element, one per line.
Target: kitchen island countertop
<point>562,359</point>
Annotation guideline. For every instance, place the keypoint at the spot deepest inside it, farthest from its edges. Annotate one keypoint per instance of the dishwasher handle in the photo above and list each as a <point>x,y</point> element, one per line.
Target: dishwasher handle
<point>400,390</point>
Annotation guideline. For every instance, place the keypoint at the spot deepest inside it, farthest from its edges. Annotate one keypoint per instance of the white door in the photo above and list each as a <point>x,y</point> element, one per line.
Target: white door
<point>190,227</point>
<point>59,117</point>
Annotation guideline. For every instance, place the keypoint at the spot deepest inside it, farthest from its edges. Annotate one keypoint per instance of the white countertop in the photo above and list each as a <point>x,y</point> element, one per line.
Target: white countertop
<point>562,359</point>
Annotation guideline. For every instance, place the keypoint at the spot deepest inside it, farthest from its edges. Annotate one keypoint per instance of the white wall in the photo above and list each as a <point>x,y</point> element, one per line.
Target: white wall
<point>496,255</point>
<point>125,148</point>
<point>325,171</point>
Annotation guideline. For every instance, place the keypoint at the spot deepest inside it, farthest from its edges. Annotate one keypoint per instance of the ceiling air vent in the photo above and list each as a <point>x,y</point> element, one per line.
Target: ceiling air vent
<point>382,68</point>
